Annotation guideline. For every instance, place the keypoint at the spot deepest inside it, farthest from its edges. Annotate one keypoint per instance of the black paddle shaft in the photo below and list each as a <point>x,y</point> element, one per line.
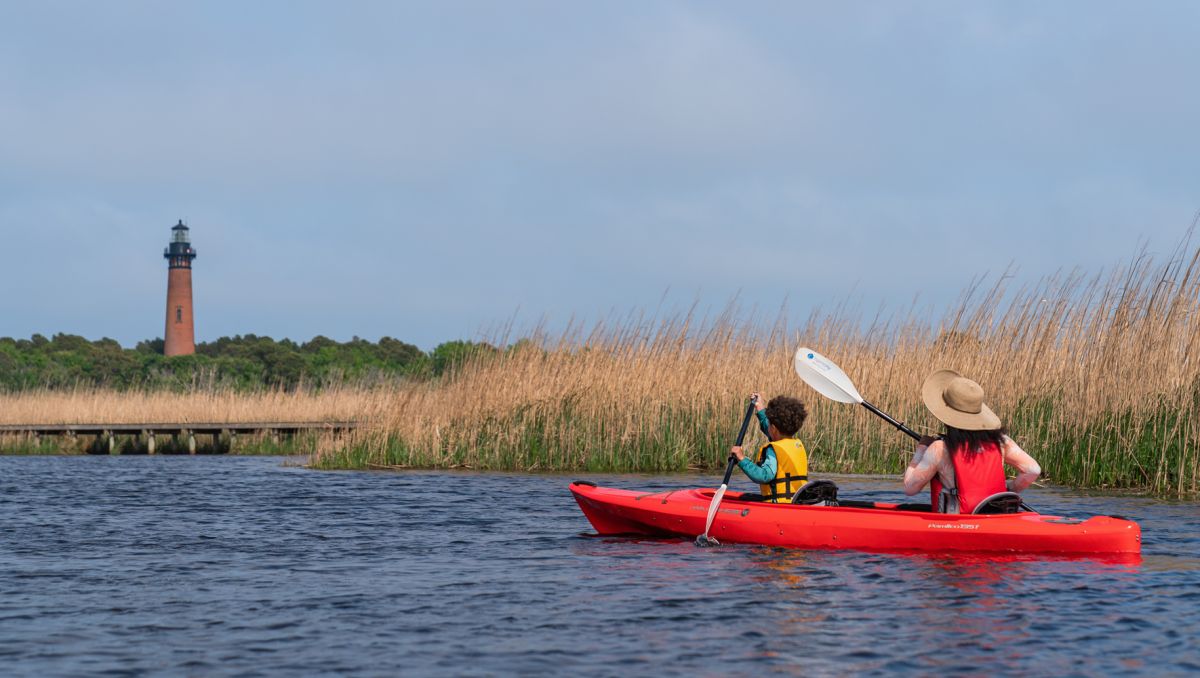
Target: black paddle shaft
<point>898,424</point>
<point>741,437</point>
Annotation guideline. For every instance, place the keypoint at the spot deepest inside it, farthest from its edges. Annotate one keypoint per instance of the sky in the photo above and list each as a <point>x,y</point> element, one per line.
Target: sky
<point>432,171</point>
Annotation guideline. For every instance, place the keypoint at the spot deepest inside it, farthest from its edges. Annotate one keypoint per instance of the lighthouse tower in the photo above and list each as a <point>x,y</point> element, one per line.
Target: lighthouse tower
<point>180,336</point>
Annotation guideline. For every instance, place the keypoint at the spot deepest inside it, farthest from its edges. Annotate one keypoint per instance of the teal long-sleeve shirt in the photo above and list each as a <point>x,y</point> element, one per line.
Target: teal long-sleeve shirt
<point>764,472</point>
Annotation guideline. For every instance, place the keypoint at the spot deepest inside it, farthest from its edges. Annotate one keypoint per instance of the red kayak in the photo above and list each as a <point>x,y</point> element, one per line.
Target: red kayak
<point>869,526</point>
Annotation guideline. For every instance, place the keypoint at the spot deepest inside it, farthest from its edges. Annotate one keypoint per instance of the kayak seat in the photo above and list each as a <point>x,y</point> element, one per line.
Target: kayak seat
<point>999,503</point>
<point>822,492</point>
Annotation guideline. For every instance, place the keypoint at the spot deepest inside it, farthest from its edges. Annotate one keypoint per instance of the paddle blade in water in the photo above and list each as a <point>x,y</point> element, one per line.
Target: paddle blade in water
<point>704,539</point>
<point>825,377</point>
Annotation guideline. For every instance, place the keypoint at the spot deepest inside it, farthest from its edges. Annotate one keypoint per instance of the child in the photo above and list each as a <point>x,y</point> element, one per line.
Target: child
<point>782,466</point>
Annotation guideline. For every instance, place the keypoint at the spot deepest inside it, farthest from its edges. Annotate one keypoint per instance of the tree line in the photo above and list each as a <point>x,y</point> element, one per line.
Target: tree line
<point>240,362</point>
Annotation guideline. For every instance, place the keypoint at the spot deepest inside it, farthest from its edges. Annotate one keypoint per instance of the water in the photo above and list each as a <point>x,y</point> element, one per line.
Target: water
<point>247,566</point>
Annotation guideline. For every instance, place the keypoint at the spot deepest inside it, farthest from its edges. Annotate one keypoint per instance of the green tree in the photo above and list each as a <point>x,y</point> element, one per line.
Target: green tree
<point>451,355</point>
<point>241,361</point>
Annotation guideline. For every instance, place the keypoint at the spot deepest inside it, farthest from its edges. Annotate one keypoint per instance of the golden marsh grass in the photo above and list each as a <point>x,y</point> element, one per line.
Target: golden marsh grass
<point>1097,376</point>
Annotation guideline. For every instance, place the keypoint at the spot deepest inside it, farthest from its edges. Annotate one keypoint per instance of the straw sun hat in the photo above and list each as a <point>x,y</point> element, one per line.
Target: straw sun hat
<point>957,401</point>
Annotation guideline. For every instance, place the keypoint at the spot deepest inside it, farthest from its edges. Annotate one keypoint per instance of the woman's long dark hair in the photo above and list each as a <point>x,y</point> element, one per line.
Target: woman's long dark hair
<point>959,441</point>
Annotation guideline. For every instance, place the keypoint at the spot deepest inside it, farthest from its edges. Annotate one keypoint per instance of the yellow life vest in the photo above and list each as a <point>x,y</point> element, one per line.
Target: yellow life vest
<point>791,470</point>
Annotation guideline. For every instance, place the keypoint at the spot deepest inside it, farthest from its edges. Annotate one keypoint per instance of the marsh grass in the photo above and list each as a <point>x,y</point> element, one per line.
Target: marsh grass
<point>205,404</point>
<point>26,446</point>
<point>1097,376</point>
<point>202,404</point>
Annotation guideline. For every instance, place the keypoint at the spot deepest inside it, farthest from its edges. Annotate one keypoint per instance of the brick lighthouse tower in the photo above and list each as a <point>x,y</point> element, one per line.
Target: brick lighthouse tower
<point>180,336</point>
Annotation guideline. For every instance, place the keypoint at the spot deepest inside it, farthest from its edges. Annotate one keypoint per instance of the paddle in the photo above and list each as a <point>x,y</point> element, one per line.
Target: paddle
<point>704,539</point>
<point>830,381</point>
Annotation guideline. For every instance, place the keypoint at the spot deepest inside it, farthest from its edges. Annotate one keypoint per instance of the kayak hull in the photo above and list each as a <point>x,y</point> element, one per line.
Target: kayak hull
<point>875,527</point>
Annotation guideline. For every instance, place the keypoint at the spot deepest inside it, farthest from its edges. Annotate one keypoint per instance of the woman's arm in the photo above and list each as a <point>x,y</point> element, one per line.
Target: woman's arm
<point>1027,469</point>
<point>923,467</point>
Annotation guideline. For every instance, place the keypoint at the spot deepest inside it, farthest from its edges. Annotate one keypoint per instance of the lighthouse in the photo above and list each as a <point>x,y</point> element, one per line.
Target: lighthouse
<point>180,335</point>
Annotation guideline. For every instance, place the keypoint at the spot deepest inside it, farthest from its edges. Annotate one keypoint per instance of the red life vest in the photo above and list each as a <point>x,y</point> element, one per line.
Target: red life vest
<point>977,476</point>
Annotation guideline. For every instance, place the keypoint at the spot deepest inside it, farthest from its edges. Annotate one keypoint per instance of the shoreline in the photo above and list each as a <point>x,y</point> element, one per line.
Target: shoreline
<point>323,452</point>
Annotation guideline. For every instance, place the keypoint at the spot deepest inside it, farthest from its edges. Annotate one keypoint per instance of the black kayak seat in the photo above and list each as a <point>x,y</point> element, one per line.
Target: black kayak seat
<point>817,492</point>
<point>999,503</point>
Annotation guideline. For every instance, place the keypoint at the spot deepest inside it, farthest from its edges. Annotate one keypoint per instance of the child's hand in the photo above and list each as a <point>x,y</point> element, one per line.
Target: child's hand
<point>737,452</point>
<point>758,401</point>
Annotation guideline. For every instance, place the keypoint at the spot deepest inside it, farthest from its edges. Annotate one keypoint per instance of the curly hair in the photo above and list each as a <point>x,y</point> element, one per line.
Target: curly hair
<point>787,414</point>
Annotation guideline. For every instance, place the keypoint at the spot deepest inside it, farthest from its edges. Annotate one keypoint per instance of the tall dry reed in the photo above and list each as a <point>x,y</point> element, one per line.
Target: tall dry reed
<point>1097,376</point>
<point>199,405</point>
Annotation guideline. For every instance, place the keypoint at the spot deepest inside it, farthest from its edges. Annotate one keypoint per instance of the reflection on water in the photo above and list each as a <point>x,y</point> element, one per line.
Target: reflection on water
<point>1165,563</point>
<point>240,565</point>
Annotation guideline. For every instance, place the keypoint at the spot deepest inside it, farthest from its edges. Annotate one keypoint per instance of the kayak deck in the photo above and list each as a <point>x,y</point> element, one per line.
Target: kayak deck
<point>850,525</point>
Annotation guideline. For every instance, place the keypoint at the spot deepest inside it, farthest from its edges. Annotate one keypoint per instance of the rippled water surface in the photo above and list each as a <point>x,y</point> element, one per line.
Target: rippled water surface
<point>234,565</point>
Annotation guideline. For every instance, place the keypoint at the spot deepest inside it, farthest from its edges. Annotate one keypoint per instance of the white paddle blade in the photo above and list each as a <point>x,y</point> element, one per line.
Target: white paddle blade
<point>712,509</point>
<point>825,377</point>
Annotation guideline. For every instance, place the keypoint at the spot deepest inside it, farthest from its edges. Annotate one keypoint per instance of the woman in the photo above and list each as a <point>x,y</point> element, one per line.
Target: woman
<point>966,465</point>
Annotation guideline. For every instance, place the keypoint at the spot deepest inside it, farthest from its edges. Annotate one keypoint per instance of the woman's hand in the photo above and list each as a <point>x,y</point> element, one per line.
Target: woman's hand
<point>737,452</point>
<point>757,398</point>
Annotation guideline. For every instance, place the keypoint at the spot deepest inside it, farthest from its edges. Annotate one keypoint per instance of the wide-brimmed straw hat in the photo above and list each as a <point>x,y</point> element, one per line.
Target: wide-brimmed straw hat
<point>957,401</point>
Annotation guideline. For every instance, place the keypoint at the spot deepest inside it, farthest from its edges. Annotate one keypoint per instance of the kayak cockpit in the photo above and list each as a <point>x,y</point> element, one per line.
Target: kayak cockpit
<point>754,500</point>
<point>825,493</point>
